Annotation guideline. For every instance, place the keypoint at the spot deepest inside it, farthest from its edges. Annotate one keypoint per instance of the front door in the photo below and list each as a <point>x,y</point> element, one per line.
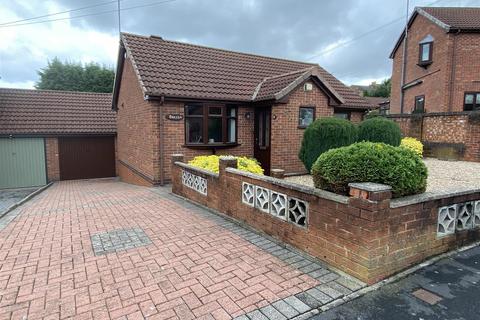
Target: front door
<point>262,137</point>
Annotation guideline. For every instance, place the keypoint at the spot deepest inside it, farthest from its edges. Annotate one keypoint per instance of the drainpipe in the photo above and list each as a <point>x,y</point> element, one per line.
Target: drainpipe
<point>452,72</point>
<point>161,141</point>
<point>404,60</point>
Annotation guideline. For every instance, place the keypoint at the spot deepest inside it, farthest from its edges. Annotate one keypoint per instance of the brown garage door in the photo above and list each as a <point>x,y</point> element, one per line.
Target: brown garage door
<point>86,157</point>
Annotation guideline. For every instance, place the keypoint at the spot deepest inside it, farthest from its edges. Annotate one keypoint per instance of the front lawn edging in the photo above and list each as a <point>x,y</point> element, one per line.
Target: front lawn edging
<point>366,235</point>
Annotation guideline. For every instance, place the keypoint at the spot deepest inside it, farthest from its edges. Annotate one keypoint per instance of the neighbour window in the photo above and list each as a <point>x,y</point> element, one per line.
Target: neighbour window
<point>419,104</point>
<point>426,50</point>
<point>472,101</point>
<point>306,115</point>
<point>210,124</point>
<point>342,115</point>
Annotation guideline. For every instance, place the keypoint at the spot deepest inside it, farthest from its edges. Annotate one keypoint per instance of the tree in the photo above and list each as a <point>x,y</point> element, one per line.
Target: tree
<point>73,76</point>
<point>379,90</point>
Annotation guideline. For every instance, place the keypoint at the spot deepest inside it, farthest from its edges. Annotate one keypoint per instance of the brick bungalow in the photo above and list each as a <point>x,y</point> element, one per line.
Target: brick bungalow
<point>441,87</point>
<point>173,97</point>
<point>55,135</point>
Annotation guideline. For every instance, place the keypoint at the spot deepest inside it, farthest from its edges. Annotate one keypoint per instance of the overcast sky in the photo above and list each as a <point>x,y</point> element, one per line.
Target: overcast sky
<point>333,33</point>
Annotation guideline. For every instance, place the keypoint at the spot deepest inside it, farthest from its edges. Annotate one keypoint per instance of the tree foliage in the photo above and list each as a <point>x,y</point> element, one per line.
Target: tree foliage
<point>75,76</point>
<point>379,90</point>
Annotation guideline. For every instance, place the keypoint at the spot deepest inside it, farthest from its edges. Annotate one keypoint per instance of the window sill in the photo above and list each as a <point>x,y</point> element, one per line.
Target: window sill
<point>302,127</point>
<point>424,64</point>
<point>211,146</point>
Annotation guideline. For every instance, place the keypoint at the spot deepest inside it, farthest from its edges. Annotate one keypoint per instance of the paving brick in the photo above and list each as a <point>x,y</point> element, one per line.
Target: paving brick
<point>147,264</point>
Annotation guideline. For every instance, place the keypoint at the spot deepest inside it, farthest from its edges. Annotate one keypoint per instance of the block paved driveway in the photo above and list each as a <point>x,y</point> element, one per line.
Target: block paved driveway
<point>105,249</point>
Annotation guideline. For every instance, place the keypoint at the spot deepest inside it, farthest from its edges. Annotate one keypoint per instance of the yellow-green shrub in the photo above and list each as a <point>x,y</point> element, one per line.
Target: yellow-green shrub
<point>211,163</point>
<point>412,144</point>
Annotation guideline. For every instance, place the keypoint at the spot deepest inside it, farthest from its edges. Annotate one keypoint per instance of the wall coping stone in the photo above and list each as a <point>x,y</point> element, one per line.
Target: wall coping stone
<point>429,196</point>
<point>294,186</point>
<point>370,186</point>
<point>197,169</point>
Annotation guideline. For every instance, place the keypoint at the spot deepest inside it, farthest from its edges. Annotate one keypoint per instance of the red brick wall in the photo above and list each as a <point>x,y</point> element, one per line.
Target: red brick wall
<point>367,238</point>
<point>356,117</point>
<point>137,128</point>
<point>286,136</point>
<point>53,164</point>
<point>461,51</point>
<point>467,64</point>
<point>444,128</point>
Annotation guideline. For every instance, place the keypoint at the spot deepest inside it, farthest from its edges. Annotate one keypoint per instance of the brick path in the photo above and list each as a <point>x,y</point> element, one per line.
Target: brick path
<point>104,249</point>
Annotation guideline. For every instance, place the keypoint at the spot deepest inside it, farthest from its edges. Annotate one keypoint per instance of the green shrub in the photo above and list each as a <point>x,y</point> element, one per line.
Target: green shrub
<point>397,167</point>
<point>211,163</point>
<point>373,114</point>
<point>324,134</point>
<point>380,130</point>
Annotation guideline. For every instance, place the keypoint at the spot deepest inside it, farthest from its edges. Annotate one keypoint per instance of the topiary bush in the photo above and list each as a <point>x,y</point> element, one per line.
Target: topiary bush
<point>324,134</point>
<point>211,163</point>
<point>397,167</point>
<point>380,129</point>
<point>412,144</point>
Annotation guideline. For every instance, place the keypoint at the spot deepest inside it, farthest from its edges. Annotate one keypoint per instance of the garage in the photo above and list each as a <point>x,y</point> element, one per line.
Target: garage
<point>48,135</point>
<point>86,157</point>
<point>22,162</point>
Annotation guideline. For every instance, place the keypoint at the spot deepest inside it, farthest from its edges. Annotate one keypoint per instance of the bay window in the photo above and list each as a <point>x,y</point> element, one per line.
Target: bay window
<point>210,124</point>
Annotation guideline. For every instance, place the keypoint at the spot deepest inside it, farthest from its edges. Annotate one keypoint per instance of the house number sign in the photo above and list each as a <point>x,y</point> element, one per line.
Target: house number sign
<point>174,116</point>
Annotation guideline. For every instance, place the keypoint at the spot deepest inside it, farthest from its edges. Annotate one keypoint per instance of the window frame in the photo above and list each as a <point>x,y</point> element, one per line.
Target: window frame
<point>300,126</point>
<point>475,105</point>
<point>205,116</point>
<point>422,62</point>
<point>348,113</point>
<point>415,110</point>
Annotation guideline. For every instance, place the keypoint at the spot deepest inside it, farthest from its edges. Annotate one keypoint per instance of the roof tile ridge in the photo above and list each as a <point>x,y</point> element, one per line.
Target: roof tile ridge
<point>289,73</point>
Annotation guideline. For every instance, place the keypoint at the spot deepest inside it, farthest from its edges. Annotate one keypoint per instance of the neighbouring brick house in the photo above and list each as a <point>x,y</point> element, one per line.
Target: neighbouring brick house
<point>173,97</point>
<point>441,81</point>
<point>55,135</point>
<point>442,62</point>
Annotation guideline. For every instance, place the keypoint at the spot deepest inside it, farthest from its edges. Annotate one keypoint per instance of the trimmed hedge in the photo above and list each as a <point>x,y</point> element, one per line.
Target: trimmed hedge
<point>380,129</point>
<point>324,134</point>
<point>397,167</point>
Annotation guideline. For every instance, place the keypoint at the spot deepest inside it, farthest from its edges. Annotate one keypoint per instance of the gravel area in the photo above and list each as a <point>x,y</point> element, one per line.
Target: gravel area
<point>443,176</point>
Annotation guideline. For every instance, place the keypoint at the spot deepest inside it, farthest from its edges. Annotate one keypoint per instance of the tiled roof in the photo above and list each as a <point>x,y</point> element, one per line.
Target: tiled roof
<point>377,101</point>
<point>24,111</point>
<point>451,19</point>
<point>456,17</point>
<point>175,69</point>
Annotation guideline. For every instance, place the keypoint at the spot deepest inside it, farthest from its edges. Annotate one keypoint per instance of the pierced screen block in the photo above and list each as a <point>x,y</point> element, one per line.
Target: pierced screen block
<point>447,217</point>
<point>476,214</point>
<point>297,211</point>
<point>278,205</point>
<point>262,199</point>
<point>194,182</point>
<point>248,194</point>
<point>465,216</point>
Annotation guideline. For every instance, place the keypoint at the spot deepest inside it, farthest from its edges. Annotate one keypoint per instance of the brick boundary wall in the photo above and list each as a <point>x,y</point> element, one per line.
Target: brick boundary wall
<point>449,135</point>
<point>367,235</point>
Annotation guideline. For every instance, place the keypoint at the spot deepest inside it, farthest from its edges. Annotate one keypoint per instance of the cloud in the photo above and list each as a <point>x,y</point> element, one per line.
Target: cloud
<point>283,28</point>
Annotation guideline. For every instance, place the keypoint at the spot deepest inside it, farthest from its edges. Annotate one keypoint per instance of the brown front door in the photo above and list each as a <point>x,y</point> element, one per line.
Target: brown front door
<point>262,137</point>
<point>86,157</point>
